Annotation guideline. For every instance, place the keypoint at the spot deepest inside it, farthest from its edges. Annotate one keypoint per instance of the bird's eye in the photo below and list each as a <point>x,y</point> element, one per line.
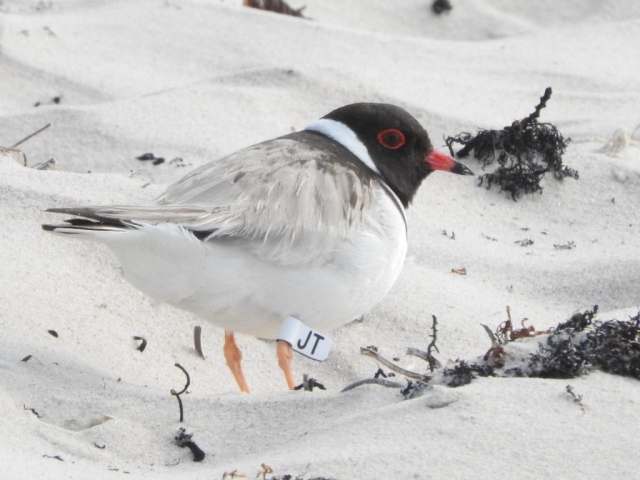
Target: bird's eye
<point>391,138</point>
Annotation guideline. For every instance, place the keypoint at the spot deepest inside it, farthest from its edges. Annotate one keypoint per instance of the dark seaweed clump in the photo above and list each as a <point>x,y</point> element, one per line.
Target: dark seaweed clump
<point>525,151</point>
<point>613,346</point>
<point>462,373</point>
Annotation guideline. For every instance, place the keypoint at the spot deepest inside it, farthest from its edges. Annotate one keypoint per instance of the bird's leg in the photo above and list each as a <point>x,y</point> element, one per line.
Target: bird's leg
<point>285,357</point>
<point>233,355</point>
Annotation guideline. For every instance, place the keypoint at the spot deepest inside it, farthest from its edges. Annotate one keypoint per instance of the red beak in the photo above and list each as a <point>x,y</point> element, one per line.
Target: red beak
<point>441,161</point>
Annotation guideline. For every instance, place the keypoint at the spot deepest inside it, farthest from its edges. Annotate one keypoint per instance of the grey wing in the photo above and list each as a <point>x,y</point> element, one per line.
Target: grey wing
<point>285,205</point>
<point>279,203</point>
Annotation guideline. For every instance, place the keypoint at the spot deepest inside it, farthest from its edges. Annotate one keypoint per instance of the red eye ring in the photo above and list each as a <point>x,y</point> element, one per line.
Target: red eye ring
<point>391,138</point>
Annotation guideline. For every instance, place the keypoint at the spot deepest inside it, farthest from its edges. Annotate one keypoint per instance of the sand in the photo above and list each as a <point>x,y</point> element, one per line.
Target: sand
<point>194,80</point>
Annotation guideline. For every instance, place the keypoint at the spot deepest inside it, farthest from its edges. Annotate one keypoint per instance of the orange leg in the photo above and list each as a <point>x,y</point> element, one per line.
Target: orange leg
<point>233,355</point>
<point>285,357</point>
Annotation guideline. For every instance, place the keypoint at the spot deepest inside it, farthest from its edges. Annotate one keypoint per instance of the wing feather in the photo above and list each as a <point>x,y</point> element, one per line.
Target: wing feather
<point>282,203</point>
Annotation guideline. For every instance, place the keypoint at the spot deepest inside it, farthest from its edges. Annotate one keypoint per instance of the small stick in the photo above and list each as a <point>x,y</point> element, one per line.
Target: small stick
<point>372,381</point>
<point>31,136</point>
<point>197,340</point>
<point>433,362</point>
<point>405,373</point>
<point>536,114</point>
<point>177,394</point>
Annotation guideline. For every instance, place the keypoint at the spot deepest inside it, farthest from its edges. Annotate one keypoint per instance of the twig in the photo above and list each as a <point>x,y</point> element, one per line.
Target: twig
<point>433,362</point>
<point>32,410</point>
<point>31,136</point>
<point>428,356</point>
<point>308,384</point>
<point>406,373</point>
<point>29,357</point>
<point>265,469</point>
<point>177,394</point>
<point>197,340</point>
<point>536,113</point>
<point>372,381</point>
<point>576,398</point>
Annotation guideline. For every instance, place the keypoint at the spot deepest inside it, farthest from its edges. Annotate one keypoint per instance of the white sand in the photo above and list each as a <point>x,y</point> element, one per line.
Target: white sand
<point>197,79</point>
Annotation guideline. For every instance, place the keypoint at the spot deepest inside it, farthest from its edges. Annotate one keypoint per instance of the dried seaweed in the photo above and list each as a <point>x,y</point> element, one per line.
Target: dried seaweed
<point>462,373</point>
<point>277,6</point>
<point>525,151</point>
<point>613,346</point>
<point>441,6</point>
<point>183,440</point>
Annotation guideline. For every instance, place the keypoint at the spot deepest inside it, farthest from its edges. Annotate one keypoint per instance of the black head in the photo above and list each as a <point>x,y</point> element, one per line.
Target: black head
<point>397,144</point>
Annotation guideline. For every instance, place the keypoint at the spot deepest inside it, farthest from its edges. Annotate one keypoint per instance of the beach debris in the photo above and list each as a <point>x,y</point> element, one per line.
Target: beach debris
<point>277,6</point>
<point>452,237</point>
<point>463,373</point>
<point>101,447</point>
<point>14,154</point>
<point>32,410</point>
<point>582,343</point>
<point>183,440</point>
<point>53,333</point>
<point>413,389</point>
<point>399,370</point>
<point>55,100</point>
<point>441,6</point>
<point>372,381</point>
<point>567,246</point>
<point>265,469</point>
<point>48,165</point>
<point>308,384</point>
<point>427,356</point>
<point>380,373</point>
<point>179,162</point>
<point>143,343</point>
<point>56,457</point>
<point>145,157</point>
<point>617,144</point>
<point>177,394</point>
<point>576,398</point>
<point>525,242</point>
<point>233,474</point>
<point>31,135</point>
<point>29,357</point>
<point>459,271</point>
<point>525,151</point>
<point>197,340</point>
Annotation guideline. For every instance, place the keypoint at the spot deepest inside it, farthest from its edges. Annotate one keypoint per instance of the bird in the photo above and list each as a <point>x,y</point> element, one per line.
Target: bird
<point>310,225</point>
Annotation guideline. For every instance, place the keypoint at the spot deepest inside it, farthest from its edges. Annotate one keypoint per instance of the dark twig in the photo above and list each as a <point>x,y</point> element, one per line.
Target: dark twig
<point>372,381</point>
<point>57,457</point>
<point>576,398</point>
<point>31,136</point>
<point>433,362</point>
<point>29,357</point>
<point>536,113</point>
<point>308,384</point>
<point>32,410</point>
<point>197,340</point>
<point>177,394</point>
